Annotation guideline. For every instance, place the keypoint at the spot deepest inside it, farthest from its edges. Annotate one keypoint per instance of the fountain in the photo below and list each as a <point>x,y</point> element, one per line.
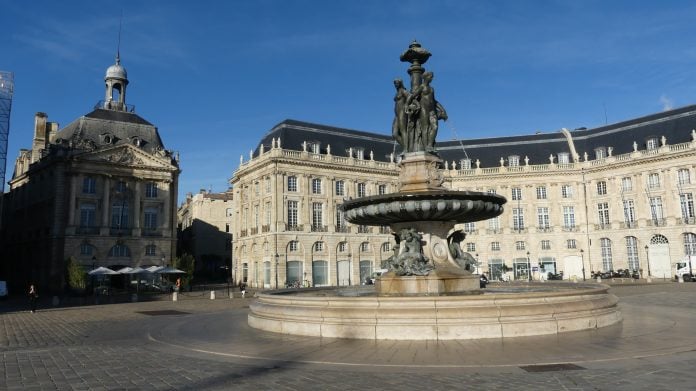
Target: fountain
<point>429,291</point>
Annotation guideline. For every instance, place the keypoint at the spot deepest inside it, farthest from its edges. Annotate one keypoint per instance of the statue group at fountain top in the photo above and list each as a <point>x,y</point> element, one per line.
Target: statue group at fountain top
<point>416,113</point>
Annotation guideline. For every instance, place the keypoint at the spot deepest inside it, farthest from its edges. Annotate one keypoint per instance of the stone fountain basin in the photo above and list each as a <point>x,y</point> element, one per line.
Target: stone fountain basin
<point>445,205</point>
<point>512,310</point>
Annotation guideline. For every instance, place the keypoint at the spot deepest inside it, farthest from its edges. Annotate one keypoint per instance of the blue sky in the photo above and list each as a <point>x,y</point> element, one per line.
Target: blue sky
<point>214,76</point>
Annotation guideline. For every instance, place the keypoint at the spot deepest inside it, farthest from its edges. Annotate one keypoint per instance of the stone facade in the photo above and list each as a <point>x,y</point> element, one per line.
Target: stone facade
<point>102,190</point>
<point>622,205</point>
<point>205,223</point>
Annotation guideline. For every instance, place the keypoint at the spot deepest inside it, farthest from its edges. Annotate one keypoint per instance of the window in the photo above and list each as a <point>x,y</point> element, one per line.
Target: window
<point>632,252</point>
<point>268,185</point>
<point>228,212</point>
<point>151,190</point>
<point>651,143</point>
<point>520,245</point>
<point>626,184</point>
<point>516,193</point>
<point>471,247</point>
<point>88,215</point>
<point>317,215</point>
<point>513,160</point>
<point>683,176</point>
<point>86,249</point>
<point>469,227</point>
<point>121,186</point>
<point>517,219</point>
<point>656,208</point>
<point>292,183</point>
<point>605,245</point>
<point>150,250</point>
<point>571,244</point>
<point>119,214</point>
<point>601,188</point>
<point>386,246</point>
<point>603,212</point>
<point>320,273</point>
<point>365,246</point>
<point>563,158</point>
<point>687,206</point>
<point>319,246</point>
<point>494,223</point>
<point>227,227</point>
<point>362,190</point>
<point>567,191</point>
<point>359,153</point>
<point>89,185</point>
<point>267,209</point>
<point>629,211</point>
<point>315,147</point>
<point>342,247</point>
<point>256,216</point>
<point>543,217</point>
<point>340,220</point>
<point>150,218</point>
<point>465,164</point>
<point>292,214</point>
<point>119,250</point>
<point>495,246</point>
<point>293,246</point>
<point>689,243</point>
<point>600,153</point>
<point>654,181</point>
<point>541,192</point>
<point>257,188</point>
<point>340,188</point>
<point>546,245</point>
<point>568,217</point>
<point>382,189</point>
<point>316,186</point>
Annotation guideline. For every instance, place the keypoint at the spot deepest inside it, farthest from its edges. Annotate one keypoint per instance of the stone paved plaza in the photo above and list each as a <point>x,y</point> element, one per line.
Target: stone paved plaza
<point>201,344</point>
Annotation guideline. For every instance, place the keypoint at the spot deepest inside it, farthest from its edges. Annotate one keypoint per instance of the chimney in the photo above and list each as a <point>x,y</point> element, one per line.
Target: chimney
<point>40,139</point>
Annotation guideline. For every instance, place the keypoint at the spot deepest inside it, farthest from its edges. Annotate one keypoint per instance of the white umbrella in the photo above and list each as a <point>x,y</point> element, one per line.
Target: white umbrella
<point>101,271</point>
<point>154,269</point>
<point>170,270</point>
<point>138,270</point>
<point>124,270</point>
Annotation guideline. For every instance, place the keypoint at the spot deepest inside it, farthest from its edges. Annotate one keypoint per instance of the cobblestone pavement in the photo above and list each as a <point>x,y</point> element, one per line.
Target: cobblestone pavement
<point>202,344</point>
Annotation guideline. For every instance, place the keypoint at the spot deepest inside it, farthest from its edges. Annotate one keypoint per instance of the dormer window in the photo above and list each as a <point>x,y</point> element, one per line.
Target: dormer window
<point>600,153</point>
<point>513,160</point>
<point>359,153</point>
<point>465,164</point>
<point>652,143</point>
<point>314,147</point>
<point>107,138</point>
<point>136,141</point>
<point>563,158</point>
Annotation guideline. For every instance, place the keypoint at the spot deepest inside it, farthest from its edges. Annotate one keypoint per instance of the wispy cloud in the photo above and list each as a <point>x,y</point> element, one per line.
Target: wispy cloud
<point>667,103</point>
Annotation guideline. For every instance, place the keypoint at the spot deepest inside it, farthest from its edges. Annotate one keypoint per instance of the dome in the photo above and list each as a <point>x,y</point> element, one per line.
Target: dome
<point>116,71</point>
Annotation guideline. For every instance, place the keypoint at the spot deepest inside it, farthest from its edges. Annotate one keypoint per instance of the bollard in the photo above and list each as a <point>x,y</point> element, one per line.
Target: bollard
<point>212,295</point>
<point>56,301</point>
<point>231,295</point>
<point>599,280</point>
<point>649,280</point>
<point>175,296</point>
<point>134,298</point>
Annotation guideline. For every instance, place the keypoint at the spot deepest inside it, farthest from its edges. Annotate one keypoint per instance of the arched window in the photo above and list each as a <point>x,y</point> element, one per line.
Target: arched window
<point>318,246</point>
<point>293,246</point>
<point>365,246</point>
<point>659,239</point>
<point>607,263</point>
<point>120,250</point>
<point>386,247</point>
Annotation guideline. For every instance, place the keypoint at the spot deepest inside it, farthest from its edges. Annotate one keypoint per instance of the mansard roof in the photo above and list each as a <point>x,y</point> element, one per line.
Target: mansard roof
<point>105,128</point>
<point>674,125</point>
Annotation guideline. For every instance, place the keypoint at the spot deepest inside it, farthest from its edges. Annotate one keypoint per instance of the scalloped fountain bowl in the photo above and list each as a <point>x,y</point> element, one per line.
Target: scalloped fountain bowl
<point>445,205</point>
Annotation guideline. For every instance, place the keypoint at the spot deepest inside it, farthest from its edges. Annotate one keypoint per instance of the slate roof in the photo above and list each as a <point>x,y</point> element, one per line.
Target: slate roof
<point>675,125</point>
<point>122,126</point>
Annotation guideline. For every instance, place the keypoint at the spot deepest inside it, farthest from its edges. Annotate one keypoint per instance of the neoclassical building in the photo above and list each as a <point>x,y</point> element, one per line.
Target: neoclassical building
<point>102,189</point>
<point>615,197</point>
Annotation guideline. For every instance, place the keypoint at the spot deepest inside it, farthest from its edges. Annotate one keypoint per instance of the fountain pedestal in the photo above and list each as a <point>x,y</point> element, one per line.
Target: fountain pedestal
<point>438,282</point>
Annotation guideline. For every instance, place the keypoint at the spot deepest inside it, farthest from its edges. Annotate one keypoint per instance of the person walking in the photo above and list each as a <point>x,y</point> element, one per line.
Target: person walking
<point>32,297</point>
<point>242,287</point>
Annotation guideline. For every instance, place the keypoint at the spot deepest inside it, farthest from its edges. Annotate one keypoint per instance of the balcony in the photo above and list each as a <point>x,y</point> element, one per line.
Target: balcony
<point>265,228</point>
<point>657,222</point>
<point>686,220</point>
<point>294,227</point>
<point>363,229</point>
<point>384,229</point>
<point>319,228</point>
<point>342,229</point>
<point>544,229</point>
<point>254,231</point>
<point>570,229</point>
<point>599,227</point>
<point>243,233</point>
<point>492,231</point>
<point>87,230</point>
<point>629,224</point>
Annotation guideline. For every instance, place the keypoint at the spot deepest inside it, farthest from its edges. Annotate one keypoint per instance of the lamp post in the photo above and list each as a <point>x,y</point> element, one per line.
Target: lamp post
<point>647,259</point>
<point>477,264</point>
<point>529,268</point>
<point>94,262</point>
<point>350,267</point>
<point>582,258</point>
<point>276,270</point>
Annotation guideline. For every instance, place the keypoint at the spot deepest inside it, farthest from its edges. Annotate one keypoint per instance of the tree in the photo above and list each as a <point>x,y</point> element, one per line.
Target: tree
<point>77,278</point>
<point>187,263</point>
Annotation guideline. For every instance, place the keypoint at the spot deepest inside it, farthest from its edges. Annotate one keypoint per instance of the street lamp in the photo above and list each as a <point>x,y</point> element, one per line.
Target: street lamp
<point>94,262</point>
<point>582,258</point>
<point>477,264</point>
<point>529,268</point>
<point>276,270</point>
<point>647,259</point>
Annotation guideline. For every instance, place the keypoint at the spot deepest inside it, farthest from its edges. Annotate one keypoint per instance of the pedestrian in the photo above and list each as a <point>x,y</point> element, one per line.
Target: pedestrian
<point>242,287</point>
<point>32,297</point>
<point>178,284</point>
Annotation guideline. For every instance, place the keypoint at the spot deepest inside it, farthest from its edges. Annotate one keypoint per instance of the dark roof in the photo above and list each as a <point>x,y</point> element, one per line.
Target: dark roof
<point>119,116</point>
<point>675,125</point>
